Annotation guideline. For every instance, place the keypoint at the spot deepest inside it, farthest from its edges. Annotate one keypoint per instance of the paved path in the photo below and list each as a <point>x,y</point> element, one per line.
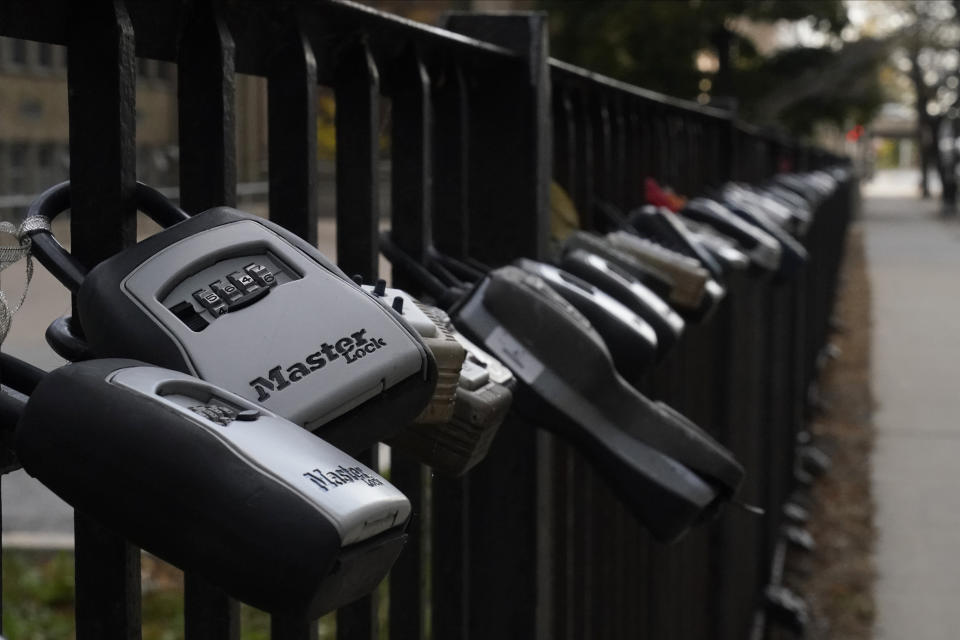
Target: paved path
<point>914,265</point>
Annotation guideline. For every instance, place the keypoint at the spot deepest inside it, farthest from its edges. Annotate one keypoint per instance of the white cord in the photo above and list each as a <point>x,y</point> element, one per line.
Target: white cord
<point>10,255</point>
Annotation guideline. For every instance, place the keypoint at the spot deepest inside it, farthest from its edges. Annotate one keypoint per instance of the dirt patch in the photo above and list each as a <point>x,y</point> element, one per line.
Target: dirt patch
<point>837,579</point>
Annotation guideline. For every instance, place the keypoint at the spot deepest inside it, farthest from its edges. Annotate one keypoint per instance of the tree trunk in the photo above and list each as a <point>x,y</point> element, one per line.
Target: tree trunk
<point>923,156</point>
<point>948,172</point>
<point>926,135</point>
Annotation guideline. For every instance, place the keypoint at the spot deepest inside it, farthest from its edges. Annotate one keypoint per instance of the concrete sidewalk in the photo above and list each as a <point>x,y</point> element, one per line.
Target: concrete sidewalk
<point>914,265</point>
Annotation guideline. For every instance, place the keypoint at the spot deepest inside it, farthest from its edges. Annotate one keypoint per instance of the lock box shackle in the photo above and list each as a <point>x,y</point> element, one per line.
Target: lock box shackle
<point>55,200</point>
<point>245,304</point>
<point>19,379</point>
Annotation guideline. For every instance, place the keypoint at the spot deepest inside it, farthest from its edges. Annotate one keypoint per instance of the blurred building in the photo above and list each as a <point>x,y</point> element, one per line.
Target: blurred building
<point>34,125</point>
<point>34,122</point>
<point>35,132</point>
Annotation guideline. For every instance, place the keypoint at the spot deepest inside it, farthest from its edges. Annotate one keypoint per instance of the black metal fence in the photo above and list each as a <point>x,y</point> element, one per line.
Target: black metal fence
<point>530,544</point>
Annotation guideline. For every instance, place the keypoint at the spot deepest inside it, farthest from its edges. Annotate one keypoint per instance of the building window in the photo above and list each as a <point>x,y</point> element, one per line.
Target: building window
<point>44,55</point>
<point>31,108</point>
<point>17,171</point>
<point>45,156</point>
<point>18,52</point>
<point>45,174</point>
<point>145,67</point>
<point>164,70</point>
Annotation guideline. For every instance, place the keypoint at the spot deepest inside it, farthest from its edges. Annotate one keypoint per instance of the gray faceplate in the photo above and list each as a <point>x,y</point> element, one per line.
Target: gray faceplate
<point>651,299</point>
<point>311,350</point>
<point>766,252</point>
<point>609,303</point>
<point>479,369</point>
<point>494,369</point>
<point>500,343</point>
<point>359,502</point>
<point>218,273</point>
<point>644,247</point>
<point>409,310</point>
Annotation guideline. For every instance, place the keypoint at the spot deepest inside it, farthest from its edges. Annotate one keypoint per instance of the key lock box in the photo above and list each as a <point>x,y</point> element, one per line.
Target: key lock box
<point>764,251</point>
<point>692,308</point>
<point>667,471</point>
<point>454,433</point>
<point>724,249</point>
<point>693,281</point>
<point>717,254</point>
<point>629,329</point>
<point>793,256</point>
<point>786,217</point>
<point>805,186</point>
<point>800,209</point>
<point>213,483</point>
<point>630,339</point>
<point>244,304</point>
<point>630,292</point>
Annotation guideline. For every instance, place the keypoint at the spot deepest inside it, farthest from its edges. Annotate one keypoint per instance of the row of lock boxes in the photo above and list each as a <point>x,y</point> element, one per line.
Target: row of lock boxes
<point>339,366</point>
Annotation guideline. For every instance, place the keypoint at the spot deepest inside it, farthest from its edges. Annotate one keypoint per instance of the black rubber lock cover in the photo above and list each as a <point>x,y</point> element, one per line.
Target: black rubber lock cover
<point>664,227</point>
<point>793,256</point>
<point>664,468</point>
<point>630,339</point>
<point>662,284</point>
<point>763,249</point>
<point>154,475</point>
<point>658,281</point>
<point>117,325</point>
<point>628,291</point>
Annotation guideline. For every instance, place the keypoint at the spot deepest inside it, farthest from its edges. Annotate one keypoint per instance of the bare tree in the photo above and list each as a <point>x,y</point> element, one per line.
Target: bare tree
<point>932,48</point>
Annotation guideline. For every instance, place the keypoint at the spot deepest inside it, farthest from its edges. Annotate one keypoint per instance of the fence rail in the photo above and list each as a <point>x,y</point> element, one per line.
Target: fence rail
<point>530,544</point>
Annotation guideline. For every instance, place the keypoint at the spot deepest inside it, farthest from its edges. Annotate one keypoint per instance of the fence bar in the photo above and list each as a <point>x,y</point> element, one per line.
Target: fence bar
<point>634,165</point>
<point>411,177</point>
<point>1,566</point>
<point>583,193</point>
<point>451,561</point>
<point>514,162</point>
<point>208,178</point>
<point>411,198</point>
<point>101,73</point>
<point>508,218</point>
<point>619,136</point>
<point>450,532</point>
<point>451,146</point>
<point>602,156</point>
<point>357,87</point>
<point>206,112</point>
<point>564,594</point>
<point>292,628</point>
<point>292,123</point>
<point>581,476</point>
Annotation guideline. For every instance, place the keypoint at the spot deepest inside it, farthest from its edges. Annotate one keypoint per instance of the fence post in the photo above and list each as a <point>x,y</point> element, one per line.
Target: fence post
<point>101,74</point>
<point>411,205</point>
<point>292,131</point>
<point>208,178</point>
<point>451,525</point>
<point>509,176</point>
<point>357,87</point>
<point>510,113</point>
